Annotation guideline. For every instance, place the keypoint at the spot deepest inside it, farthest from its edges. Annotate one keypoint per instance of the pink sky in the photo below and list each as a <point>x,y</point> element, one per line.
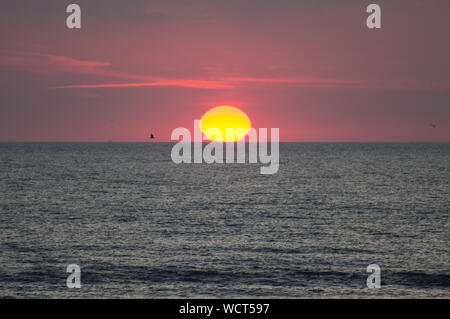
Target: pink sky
<point>310,68</point>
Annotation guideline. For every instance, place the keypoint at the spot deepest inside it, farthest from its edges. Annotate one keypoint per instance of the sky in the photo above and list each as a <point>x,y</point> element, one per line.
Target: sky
<point>311,68</point>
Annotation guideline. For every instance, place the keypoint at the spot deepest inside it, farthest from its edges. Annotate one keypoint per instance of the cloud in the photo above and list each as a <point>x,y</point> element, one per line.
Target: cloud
<point>306,83</point>
<point>67,62</point>
<point>299,81</point>
<point>332,82</point>
<point>49,63</point>
<point>180,83</point>
<point>223,83</point>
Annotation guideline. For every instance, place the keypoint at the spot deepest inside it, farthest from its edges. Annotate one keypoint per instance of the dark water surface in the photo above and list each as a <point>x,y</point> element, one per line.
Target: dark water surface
<point>140,226</point>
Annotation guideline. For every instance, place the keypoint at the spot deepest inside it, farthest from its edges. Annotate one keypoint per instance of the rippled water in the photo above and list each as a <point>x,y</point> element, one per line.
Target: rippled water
<point>140,226</point>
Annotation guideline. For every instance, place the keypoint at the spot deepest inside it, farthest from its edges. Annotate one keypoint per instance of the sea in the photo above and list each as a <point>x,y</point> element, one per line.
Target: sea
<point>140,226</point>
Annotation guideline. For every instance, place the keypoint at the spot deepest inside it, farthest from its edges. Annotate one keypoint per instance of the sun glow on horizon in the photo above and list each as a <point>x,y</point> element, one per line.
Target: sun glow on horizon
<point>216,121</point>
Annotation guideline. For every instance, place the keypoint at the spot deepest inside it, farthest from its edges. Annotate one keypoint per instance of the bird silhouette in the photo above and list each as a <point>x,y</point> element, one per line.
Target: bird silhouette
<point>433,125</point>
<point>152,136</point>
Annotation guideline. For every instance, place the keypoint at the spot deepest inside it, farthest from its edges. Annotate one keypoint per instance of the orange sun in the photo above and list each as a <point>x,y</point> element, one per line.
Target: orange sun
<point>225,124</point>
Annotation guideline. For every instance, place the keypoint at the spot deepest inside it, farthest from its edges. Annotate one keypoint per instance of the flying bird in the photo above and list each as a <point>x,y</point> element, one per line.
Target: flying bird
<point>433,125</point>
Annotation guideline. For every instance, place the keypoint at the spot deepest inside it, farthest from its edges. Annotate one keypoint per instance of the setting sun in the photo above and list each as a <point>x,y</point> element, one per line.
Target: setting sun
<point>217,120</point>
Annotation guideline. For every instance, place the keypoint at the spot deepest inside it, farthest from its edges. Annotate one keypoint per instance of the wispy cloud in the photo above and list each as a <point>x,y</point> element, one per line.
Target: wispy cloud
<point>39,62</point>
<point>48,63</point>
<point>222,83</point>
<point>73,63</point>
<point>332,82</point>
<point>298,81</point>
<point>180,83</point>
<point>306,83</point>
